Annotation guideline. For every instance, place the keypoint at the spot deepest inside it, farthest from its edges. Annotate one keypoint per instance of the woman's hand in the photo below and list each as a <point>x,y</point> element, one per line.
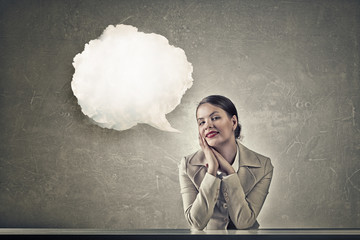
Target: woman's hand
<point>212,162</point>
<point>224,165</point>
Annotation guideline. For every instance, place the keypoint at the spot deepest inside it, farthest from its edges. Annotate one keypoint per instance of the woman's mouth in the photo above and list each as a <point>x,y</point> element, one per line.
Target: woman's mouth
<point>211,134</point>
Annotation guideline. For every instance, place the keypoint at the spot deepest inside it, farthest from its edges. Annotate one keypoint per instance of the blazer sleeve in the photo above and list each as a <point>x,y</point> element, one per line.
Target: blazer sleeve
<point>243,210</point>
<point>198,203</point>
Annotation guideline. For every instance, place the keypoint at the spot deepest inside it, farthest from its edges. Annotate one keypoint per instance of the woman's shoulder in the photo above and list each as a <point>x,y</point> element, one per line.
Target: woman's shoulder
<point>189,164</point>
<point>195,154</point>
<point>195,158</point>
<point>255,158</point>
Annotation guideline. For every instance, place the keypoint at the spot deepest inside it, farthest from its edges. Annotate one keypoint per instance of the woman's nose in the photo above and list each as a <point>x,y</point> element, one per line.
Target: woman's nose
<point>208,125</point>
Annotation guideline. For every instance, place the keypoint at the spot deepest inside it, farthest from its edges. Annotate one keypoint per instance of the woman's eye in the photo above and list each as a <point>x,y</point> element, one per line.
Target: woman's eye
<point>201,123</point>
<point>215,118</point>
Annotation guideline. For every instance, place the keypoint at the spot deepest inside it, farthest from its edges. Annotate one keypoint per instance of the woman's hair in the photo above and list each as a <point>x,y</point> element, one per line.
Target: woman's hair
<point>225,104</point>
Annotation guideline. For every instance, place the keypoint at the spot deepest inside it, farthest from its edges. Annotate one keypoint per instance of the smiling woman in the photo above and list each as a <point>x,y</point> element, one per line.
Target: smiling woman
<point>224,184</point>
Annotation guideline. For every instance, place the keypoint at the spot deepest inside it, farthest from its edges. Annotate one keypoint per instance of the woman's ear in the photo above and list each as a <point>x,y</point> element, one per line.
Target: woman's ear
<point>234,122</point>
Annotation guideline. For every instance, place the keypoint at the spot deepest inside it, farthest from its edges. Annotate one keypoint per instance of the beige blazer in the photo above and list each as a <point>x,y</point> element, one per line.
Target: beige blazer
<point>209,201</point>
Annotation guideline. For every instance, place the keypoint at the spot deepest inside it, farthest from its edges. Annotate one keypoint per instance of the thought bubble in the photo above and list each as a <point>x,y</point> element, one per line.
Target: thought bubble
<point>126,77</point>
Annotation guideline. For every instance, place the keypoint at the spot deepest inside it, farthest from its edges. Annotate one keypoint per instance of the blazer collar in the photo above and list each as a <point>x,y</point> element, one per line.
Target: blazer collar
<point>247,157</point>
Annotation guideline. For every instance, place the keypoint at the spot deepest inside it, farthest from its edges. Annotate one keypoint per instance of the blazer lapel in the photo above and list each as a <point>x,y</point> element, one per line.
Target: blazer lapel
<point>196,168</point>
<point>247,179</point>
<point>248,161</point>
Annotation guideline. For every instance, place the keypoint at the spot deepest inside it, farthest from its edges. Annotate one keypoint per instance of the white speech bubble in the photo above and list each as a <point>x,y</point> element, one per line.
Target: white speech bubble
<point>127,77</point>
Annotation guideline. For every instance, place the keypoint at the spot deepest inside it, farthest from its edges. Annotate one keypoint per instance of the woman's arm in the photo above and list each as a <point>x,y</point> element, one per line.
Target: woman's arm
<point>198,204</point>
<point>243,210</point>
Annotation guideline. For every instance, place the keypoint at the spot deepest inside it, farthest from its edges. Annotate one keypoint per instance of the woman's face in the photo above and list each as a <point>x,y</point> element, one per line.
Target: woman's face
<point>215,125</point>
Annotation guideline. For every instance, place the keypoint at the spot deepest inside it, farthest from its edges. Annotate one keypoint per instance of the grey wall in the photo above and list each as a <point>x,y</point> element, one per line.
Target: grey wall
<point>291,67</point>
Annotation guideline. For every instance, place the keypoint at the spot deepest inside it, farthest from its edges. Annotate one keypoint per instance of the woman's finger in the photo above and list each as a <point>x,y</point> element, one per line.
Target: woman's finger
<point>224,165</point>
<point>201,142</point>
<point>218,155</point>
<point>212,162</point>
<point>222,161</point>
<point>205,143</point>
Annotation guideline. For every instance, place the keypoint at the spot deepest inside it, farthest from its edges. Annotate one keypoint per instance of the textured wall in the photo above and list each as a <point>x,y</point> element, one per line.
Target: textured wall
<point>291,67</point>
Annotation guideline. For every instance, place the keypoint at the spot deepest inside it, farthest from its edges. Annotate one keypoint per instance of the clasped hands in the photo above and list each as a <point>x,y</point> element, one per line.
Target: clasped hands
<point>214,160</point>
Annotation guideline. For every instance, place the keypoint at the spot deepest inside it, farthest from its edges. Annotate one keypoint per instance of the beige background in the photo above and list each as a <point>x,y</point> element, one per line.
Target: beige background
<point>291,68</point>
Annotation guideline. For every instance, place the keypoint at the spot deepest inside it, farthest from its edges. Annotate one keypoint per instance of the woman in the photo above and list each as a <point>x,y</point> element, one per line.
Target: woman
<point>223,185</point>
